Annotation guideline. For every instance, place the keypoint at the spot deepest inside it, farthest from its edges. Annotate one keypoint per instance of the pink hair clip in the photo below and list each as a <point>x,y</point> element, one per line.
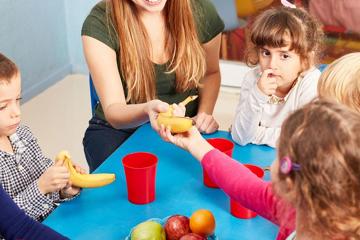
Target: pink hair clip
<point>286,166</point>
<point>287,4</point>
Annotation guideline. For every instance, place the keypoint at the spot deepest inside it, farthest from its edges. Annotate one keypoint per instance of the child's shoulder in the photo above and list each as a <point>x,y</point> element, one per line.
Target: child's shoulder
<point>25,133</point>
<point>313,73</point>
<point>250,77</point>
<point>311,77</point>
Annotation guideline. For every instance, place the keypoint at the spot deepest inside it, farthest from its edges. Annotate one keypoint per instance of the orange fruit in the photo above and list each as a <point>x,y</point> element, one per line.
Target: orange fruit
<point>202,222</point>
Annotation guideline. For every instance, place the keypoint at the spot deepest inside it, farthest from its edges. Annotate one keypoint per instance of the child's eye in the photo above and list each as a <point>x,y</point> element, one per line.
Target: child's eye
<point>19,99</point>
<point>285,56</point>
<point>2,107</point>
<point>265,53</point>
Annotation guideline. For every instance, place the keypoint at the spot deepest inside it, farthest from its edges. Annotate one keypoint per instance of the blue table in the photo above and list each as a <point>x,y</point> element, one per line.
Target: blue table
<point>105,213</point>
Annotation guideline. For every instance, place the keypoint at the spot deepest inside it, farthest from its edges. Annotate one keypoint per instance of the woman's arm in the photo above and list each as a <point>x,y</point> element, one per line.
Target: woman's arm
<point>210,87</point>
<point>102,63</point>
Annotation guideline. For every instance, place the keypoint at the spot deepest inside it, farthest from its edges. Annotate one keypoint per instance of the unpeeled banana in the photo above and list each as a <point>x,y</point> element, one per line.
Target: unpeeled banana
<point>175,123</point>
<point>84,180</point>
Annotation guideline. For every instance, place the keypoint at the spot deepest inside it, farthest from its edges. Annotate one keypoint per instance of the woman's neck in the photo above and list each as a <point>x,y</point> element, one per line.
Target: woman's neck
<point>5,144</point>
<point>155,27</point>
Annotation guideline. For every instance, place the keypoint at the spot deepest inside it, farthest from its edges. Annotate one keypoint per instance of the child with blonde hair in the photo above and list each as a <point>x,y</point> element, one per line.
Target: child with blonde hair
<point>34,182</point>
<point>341,81</point>
<point>315,186</point>
<point>284,43</point>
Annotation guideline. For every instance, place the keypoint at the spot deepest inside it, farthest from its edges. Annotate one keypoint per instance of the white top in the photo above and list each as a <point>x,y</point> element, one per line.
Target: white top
<point>259,122</point>
<point>292,236</point>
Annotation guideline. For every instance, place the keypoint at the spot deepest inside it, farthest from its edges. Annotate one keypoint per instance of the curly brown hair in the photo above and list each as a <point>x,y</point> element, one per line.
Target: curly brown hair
<point>324,139</point>
<point>8,68</point>
<point>274,26</point>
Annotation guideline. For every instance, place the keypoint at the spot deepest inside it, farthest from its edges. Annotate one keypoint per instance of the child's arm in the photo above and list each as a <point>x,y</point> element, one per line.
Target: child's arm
<point>245,187</point>
<point>249,110</point>
<point>34,203</point>
<point>15,224</point>
<point>40,197</point>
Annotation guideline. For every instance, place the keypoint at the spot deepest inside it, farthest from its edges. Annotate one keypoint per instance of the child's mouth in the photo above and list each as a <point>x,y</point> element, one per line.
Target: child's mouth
<point>13,126</point>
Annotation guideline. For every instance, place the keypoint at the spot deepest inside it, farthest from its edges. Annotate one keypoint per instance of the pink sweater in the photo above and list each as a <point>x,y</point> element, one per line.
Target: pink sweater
<point>252,192</point>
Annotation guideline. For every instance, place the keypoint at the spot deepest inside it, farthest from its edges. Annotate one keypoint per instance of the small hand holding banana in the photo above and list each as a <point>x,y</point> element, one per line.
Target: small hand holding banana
<point>176,124</point>
<point>84,180</point>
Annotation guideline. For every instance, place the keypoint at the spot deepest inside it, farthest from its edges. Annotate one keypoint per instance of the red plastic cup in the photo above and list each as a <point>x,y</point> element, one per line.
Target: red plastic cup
<point>225,146</point>
<point>140,171</point>
<point>236,209</point>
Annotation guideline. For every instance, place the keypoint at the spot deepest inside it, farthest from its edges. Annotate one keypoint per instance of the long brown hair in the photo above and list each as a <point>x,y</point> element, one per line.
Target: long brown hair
<point>273,26</point>
<point>187,57</point>
<point>324,139</point>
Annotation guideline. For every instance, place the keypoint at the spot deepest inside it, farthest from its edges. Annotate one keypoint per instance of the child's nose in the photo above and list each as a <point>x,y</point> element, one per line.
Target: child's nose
<point>15,111</point>
<point>273,63</point>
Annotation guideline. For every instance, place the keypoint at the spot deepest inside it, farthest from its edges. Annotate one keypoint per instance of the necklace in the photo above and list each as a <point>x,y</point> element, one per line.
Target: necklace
<point>275,100</point>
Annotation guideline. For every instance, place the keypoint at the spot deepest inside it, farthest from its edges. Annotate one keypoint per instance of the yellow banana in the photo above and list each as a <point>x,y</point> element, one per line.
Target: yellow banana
<point>84,180</point>
<point>176,124</point>
<point>169,112</point>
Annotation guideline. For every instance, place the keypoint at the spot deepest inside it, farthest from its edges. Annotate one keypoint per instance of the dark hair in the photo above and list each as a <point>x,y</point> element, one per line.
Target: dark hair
<point>273,26</point>
<point>324,139</point>
<point>8,68</point>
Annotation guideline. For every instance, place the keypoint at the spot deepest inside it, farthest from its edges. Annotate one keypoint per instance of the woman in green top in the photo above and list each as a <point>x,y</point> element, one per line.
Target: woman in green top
<point>143,54</point>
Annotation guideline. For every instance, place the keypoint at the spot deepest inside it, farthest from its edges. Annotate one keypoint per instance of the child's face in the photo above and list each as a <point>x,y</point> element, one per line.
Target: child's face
<point>10,105</point>
<point>286,64</point>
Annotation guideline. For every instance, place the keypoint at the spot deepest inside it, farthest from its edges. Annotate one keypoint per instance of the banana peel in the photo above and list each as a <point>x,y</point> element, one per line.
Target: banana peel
<point>169,112</point>
<point>175,123</point>
<point>84,180</point>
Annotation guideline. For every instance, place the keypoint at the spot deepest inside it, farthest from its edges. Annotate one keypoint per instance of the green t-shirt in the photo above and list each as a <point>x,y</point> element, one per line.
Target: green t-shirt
<point>208,24</point>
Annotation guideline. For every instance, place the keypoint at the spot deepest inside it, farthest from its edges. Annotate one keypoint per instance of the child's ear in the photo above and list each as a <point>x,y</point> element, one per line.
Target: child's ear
<point>308,62</point>
<point>289,190</point>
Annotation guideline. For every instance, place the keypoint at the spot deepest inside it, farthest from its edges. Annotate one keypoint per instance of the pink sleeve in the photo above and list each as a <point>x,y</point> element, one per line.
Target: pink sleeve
<point>245,187</point>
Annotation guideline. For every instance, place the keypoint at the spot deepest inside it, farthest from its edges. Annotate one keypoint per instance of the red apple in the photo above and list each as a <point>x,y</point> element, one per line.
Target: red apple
<point>192,236</point>
<point>176,227</point>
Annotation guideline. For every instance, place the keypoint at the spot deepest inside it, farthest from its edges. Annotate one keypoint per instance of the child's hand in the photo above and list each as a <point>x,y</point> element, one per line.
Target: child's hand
<point>267,83</point>
<point>69,191</point>
<point>79,169</point>
<point>191,141</point>
<point>54,178</point>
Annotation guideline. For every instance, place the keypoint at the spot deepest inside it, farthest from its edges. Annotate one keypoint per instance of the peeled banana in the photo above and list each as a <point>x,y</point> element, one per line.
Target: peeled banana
<point>175,123</point>
<point>84,180</point>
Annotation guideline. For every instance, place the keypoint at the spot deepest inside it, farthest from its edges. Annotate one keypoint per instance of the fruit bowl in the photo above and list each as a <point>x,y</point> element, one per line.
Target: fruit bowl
<point>162,222</point>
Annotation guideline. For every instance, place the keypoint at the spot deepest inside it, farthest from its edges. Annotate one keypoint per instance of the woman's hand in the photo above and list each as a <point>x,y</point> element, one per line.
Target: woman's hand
<point>191,141</point>
<point>152,109</point>
<point>206,123</point>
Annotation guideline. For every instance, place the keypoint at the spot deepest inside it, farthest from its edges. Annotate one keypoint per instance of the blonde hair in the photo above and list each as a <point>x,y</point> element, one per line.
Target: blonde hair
<point>341,81</point>
<point>187,57</point>
<point>324,139</point>
<point>274,26</point>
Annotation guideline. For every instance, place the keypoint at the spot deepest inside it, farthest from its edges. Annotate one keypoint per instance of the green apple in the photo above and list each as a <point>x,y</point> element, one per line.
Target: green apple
<point>148,230</point>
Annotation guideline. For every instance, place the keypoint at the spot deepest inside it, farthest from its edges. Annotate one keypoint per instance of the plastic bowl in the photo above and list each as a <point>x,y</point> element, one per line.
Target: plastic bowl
<point>162,222</point>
